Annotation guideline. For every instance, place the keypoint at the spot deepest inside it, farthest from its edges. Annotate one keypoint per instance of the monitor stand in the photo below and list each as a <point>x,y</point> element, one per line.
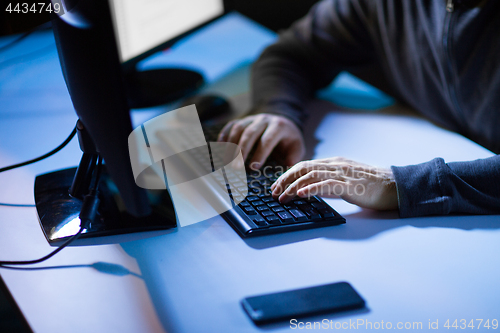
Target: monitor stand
<point>160,86</point>
<point>58,212</point>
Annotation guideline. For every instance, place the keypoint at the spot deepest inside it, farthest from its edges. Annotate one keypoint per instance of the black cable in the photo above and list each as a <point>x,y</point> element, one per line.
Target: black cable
<point>50,153</point>
<point>36,261</point>
<point>24,35</point>
<point>87,216</point>
<point>98,174</point>
<point>15,41</point>
<point>26,57</point>
<point>87,213</point>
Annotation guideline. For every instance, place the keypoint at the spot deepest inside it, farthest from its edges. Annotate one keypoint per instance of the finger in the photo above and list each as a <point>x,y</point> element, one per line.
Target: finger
<point>300,169</point>
<point>224,133</point>
<point>250,136</point>
<point>268,141</point>
<point>237,129</point>
<point>297,171</point>
<point>309,178</point>
<point>325,188</point>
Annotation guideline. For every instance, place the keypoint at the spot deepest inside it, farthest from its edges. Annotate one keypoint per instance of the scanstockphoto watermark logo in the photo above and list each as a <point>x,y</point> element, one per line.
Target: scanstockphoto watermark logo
<point>429,325</point>
<point>358,324</point>
<point>170,152</point>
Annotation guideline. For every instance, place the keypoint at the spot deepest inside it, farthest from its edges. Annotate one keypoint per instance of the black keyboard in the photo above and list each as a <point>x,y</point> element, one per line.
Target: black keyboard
<point>259,213</point>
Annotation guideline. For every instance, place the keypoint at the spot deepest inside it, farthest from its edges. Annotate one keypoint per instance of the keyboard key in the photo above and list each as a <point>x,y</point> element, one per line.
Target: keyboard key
<point>249,210</point>
<point>273,219</point>
<point>278,209</point>
<point>252,198</point>
<point>253,182</point>
<point>267,213</point>
<point>318,205</point>
<point>262,208</point>
<point>261,191</point>
<point>260,221</point>
<point>268,199</point>
<point>312,213</point>
<point>244,204</point>
<point>258,203</point>
<point>298,215</point>
<point>273,204</point>
<point>326,213</point>
<point>254,173</point>
<point>299,202</point>
<point>285,217</point>
<point>238,197</point>
<point>289,206</point>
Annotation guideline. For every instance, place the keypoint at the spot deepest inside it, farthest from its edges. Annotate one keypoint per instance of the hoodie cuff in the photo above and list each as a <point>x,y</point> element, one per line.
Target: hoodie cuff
<point>422,189</point>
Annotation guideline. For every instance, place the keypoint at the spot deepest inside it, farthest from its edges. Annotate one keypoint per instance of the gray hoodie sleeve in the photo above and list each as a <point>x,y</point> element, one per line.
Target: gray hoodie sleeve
<point>439,188</point>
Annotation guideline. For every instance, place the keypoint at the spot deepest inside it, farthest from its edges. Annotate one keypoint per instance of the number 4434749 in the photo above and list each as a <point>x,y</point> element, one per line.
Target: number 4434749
<point>472,324</point>
<point>39,7</point>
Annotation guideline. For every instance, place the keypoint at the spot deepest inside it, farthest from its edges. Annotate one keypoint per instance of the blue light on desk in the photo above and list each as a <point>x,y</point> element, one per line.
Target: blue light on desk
<point>349,91</point>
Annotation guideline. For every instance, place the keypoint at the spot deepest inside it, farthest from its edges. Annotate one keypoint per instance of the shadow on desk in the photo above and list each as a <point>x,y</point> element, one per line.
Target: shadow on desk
<point>369,223</point>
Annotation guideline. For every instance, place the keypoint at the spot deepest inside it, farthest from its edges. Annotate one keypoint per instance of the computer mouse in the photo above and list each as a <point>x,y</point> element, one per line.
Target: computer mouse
<point>208,106</point>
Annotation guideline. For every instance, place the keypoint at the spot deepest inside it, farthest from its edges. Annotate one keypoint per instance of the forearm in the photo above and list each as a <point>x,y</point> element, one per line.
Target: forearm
<point>283,81</point>
<point>308,56</point>
<point>439,188</point>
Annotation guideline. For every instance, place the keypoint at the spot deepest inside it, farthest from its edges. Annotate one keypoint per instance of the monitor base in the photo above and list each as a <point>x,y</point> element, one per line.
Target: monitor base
<point>58,212</point>
<point>160,86</point>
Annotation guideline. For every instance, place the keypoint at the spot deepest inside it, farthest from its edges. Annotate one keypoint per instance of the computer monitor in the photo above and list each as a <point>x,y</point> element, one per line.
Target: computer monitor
<point>143,28</point>
<point>99,44</point>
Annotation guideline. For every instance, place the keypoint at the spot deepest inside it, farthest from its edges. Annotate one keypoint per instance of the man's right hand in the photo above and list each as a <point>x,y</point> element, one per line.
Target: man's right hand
<point>267,131</point>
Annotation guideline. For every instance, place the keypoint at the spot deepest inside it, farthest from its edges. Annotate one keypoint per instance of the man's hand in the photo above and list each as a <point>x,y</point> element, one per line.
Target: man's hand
<point>357,183</point>
<point>267,131</point>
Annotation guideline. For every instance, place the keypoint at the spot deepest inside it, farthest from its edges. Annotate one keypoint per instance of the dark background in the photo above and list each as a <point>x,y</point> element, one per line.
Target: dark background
<point>274,14</point>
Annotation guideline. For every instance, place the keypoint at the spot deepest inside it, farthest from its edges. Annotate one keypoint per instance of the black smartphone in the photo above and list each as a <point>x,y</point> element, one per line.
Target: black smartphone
<point>286,305</point>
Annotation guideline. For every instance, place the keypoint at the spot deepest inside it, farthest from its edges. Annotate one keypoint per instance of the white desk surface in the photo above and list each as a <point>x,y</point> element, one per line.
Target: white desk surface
<point>193,278</point>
